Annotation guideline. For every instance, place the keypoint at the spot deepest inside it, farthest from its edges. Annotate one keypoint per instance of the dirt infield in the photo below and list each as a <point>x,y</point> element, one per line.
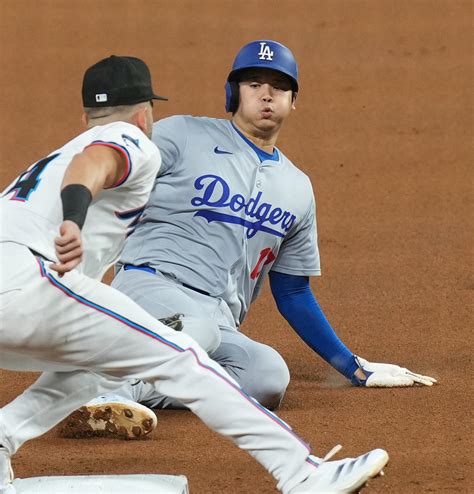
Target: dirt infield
<point>384,127</point>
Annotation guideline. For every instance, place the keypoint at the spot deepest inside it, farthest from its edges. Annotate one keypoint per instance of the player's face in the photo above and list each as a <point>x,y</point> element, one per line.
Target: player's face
<point>266,99</point>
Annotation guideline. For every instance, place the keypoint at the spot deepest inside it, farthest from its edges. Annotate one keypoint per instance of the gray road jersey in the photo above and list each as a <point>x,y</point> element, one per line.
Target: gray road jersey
<point>218,219</point>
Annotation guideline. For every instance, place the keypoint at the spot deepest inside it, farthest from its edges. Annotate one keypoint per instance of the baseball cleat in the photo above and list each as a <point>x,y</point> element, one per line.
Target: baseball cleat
<point>342,476</point>
<point>6,472</point>
<point>109,416</point>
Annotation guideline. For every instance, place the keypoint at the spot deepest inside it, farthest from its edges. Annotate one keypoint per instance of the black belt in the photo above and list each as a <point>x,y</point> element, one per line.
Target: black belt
<point>149,269</point>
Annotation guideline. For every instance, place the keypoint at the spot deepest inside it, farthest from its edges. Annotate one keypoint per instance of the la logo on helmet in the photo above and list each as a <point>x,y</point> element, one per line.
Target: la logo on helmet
<point>265,52</point>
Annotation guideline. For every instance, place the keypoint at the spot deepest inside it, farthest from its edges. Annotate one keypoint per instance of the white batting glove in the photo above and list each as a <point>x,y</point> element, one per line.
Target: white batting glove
<point>389,376</point>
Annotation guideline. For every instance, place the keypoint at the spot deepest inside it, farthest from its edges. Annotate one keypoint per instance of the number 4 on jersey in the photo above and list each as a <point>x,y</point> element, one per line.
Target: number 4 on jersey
<point>28,181</point>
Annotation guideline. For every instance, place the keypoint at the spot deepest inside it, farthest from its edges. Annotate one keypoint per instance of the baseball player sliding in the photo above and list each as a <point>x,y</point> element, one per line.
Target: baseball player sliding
<point>64,221</point>
<point>227,209</point>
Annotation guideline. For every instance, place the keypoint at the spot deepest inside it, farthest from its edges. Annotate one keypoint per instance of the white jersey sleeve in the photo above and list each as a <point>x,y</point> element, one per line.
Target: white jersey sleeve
<point>31,209</point>
<point>116,211</point>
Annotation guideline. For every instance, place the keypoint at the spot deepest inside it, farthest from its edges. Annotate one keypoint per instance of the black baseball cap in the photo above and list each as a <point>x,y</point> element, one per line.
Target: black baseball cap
<point>117,81</point>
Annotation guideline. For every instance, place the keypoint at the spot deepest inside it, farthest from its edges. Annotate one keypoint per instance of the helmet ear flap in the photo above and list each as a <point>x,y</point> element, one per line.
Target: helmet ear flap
<point>231,96</point>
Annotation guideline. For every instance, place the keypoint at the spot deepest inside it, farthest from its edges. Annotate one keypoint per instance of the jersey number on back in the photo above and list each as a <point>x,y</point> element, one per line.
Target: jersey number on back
<point>28,181</point>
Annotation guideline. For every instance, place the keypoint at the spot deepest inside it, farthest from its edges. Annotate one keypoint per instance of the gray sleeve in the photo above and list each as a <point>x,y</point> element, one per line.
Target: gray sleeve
<point>170,137</point>
<point>299,253</point>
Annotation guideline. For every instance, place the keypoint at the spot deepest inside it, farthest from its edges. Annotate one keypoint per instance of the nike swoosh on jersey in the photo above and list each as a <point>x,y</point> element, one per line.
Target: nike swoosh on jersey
<point>221,151</point>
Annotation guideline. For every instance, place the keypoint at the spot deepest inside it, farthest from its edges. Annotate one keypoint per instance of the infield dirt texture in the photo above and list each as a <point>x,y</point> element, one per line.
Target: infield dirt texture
<point>384,127</point>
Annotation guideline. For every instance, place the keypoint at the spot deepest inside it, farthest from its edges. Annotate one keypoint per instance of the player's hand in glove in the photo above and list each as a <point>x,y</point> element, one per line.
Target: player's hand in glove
<point>388,376</point>
<point>68,247</point>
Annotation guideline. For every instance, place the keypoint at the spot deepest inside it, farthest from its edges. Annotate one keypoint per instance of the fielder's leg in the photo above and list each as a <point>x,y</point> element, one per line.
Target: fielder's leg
<point>91,325</point>
<point>161,296</point>
<point>78,323</point>
<point>259,369</point>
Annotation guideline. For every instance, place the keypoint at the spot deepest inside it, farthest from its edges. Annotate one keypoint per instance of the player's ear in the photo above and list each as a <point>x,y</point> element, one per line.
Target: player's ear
<point>293,102</point>
<point>140,119</point>
<point>143,119</point>
<point>85,119</point>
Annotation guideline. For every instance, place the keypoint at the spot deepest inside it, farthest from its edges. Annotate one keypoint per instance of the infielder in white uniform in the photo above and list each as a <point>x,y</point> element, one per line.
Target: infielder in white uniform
<point>227,209</point>
<point>55,315</point>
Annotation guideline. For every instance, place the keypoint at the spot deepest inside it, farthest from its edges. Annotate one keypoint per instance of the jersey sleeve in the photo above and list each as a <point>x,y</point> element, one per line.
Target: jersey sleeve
<point>135,147</point>
<point>169,135</point>
<point>299,253</point>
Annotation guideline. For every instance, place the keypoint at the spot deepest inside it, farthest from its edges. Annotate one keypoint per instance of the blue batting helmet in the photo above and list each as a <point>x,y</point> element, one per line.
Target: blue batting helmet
<point>261,53</point>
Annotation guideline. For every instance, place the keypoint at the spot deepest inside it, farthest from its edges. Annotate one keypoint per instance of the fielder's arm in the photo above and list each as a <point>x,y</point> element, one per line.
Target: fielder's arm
<point>94,169</point>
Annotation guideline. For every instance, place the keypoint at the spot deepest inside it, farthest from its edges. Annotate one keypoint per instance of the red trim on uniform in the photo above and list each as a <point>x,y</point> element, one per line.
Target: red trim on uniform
<point>122,151</point>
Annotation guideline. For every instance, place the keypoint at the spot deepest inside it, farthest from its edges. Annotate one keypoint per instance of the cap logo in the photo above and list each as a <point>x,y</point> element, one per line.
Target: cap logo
<point>100,98</point>
<point>265,52</point>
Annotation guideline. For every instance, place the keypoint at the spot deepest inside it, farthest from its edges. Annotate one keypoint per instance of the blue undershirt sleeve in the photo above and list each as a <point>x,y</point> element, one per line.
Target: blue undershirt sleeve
<point>299,307</point>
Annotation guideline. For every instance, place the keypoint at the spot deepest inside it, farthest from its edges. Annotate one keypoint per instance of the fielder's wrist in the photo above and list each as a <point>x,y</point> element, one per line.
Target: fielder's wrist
<point>76,199</point>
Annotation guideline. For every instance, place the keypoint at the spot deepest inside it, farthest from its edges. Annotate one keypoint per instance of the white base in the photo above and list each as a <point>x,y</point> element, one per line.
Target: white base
<point>104,484</point>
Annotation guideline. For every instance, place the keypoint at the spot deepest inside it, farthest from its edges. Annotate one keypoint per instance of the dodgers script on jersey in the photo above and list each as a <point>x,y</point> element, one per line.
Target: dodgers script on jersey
<point>236,217</point>
<point>31,209</point>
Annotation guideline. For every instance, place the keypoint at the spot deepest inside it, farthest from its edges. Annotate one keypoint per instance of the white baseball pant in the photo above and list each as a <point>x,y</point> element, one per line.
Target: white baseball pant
<point>89,338</point>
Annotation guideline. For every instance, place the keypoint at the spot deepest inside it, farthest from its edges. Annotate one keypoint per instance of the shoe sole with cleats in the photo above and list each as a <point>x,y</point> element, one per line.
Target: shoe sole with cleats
<point>116,420</point>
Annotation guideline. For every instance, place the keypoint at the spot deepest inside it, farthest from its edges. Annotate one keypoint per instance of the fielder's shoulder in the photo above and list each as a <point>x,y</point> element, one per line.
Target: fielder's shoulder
<point>124,135</point>
<point>139,151</point>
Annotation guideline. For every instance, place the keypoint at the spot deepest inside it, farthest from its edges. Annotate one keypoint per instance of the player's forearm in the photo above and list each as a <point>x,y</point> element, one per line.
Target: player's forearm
<point>82,181</point>
<point>96,167</point>
<point>90,171</point>
<point>84,170</point>
<point>299,307</point>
